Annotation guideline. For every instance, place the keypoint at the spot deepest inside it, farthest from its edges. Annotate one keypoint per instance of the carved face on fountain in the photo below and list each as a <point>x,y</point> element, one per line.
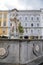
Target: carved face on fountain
<point>2,51</point>
<point>37,48</point>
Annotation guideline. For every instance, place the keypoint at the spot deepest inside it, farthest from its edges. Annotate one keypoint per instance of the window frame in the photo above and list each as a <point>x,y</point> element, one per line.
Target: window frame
<point>4,23</point>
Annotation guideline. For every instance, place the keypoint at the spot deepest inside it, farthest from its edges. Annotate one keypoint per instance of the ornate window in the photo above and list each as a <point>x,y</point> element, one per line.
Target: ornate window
<point>25,24</point>
<point>31,31</point>
<point>32,24</point>
<point>37,24</point>
<point>26,30</point>
<point>25,18</point>
<point>0,23</point>
<point>39,30</point>
<point>5,16</point>
<point>4,23</point>
<point>37,18</point>
<point>31,18</point>
<point>0,15</point>
<point>20,18</point>
<point>4,30</point>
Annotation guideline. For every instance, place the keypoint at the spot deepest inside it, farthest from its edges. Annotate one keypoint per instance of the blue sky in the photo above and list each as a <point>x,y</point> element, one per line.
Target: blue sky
<point>20,4</point>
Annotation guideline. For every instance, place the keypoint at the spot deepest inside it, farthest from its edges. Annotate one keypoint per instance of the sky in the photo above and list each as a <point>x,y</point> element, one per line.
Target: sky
<point>21,4</point>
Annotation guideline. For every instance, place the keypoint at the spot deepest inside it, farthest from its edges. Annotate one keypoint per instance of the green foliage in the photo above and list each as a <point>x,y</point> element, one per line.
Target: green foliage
<point>21,37</point>
<point>20,28</point>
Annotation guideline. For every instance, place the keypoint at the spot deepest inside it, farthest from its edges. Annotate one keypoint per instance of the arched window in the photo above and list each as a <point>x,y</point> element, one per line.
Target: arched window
<point>32,18</point>
<point>32,24</point>
<point>37,18</point>
<point>25,18</point>
<point>4,23</point>
<point>37,24</point>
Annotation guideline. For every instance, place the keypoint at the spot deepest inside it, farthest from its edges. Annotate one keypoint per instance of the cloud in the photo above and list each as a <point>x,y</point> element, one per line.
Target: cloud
<point>21,4</point>
<point>14,4</point>
<point>3,7</point>
<point>33,4</point>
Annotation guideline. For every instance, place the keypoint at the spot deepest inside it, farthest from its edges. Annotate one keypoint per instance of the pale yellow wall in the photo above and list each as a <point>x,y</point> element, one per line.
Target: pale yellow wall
<point>5,19</point>
<point>2,20</point>
<point>1,31</point>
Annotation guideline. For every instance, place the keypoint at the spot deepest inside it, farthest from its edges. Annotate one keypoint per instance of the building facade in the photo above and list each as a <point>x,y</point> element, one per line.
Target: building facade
<point>31,21</point>
<point>4,27</point>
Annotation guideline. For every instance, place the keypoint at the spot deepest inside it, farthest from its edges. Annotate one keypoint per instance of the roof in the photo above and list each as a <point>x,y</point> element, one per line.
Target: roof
<point>20,10</point>
<point>24,10</point>
<point>29,10</point>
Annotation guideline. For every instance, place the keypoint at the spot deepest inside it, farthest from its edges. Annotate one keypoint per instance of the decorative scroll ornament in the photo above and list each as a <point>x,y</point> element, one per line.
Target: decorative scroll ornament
<point>36,50</point>
<point>3,52</point>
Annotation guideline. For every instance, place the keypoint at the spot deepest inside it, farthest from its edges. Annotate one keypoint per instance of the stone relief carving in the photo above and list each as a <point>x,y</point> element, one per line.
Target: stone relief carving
<point>36,49</point>
<point>4,51</point>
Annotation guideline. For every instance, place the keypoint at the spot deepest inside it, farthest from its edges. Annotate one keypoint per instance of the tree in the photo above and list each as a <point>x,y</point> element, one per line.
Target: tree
<point>20,28</point>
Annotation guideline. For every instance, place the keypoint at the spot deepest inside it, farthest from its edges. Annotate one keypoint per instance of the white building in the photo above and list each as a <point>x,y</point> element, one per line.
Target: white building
<point>31,20</point>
